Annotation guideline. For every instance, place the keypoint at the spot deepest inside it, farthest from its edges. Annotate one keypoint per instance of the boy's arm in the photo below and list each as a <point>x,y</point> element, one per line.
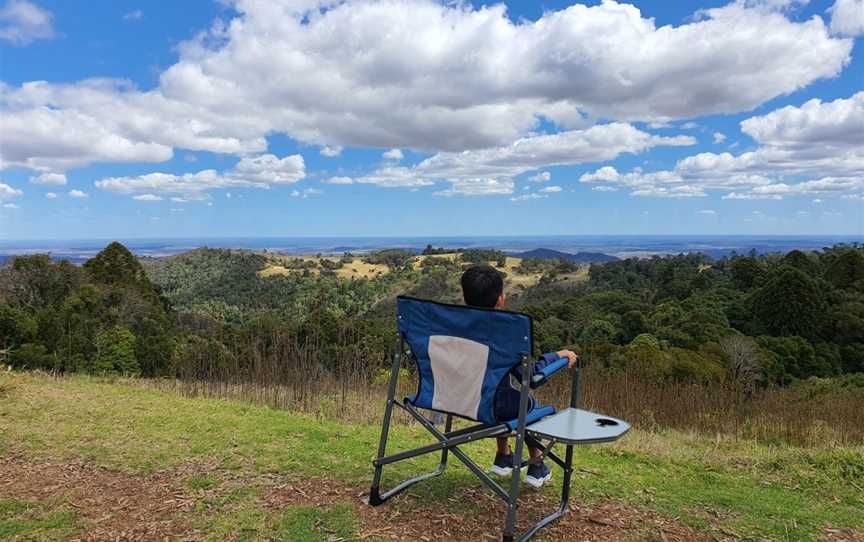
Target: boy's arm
<point>548,358</point>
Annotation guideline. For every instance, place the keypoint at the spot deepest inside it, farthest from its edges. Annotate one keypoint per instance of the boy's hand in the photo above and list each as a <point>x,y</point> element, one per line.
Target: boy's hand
<point>571,356</point>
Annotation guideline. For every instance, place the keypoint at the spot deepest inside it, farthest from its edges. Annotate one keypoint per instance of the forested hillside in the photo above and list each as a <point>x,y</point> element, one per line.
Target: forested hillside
<point>751,320</point>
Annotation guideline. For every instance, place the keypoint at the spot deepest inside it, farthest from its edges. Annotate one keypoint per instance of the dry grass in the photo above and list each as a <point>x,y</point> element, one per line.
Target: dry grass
<point>358,269</point>
<point>346,389</point>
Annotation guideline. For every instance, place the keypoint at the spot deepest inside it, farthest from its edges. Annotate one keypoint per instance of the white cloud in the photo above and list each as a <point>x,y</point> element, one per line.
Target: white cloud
<point>491,171</point>
<point>816,148</point>
<point>331,152</point>
<point>682,191</point>
<point>250,172</point>
<point>189,198</point>
<point>147,197</point>
<point>719,137</point>
<point>10,206</point>
<point>51,195</point>
<point>133,15</point>
<point>551,189</point>
<point>338,180</point>
<point>58,179</point>
<point>77,194</point>
<point>847,17</point>
<point>431,76</point>
<point>23,22</point>
<point>542,177</point>
<point>527,197</point>
<point>689,126</point>
<point>478,187</point>
<point>708,212</point>
<point>604,188</point>
<point>393,154</point>
<point>7,192</point>
<point>306,192</point>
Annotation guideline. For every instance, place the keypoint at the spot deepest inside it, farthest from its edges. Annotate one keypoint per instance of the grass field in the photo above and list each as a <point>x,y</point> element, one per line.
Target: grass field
<point>358,269</point>
<point>84,458</point>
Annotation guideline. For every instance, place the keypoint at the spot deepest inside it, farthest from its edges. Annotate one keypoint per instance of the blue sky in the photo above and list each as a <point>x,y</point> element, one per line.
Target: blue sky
<point>411,117</point>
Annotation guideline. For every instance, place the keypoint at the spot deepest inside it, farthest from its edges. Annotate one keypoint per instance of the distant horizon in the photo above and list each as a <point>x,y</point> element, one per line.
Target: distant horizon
<point>442,236</point>
<point>619,246</point>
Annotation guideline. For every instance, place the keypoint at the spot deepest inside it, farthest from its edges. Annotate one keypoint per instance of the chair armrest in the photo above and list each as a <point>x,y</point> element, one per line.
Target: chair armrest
<point>542,376</point>
<point>536,414</point>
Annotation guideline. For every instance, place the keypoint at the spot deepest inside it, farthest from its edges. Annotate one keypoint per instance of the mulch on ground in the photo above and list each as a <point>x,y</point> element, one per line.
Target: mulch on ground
<point>117,506</point>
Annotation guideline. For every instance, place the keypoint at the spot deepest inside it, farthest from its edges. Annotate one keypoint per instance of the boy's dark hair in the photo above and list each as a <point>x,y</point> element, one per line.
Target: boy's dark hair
<point>482,285</point>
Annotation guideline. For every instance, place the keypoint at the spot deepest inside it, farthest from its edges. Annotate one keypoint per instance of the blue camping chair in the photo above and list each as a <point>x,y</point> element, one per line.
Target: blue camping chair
<point>462,353</point>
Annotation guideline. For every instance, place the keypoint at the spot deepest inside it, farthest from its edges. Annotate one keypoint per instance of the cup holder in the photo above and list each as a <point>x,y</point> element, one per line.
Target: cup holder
<point>605,422</point>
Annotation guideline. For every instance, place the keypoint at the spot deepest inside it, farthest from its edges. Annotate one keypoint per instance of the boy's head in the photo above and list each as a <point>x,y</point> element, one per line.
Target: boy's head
<point>483,286</point>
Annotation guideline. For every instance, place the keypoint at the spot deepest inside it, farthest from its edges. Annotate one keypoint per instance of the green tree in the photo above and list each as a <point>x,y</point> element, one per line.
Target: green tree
<point>645,341</point>
<point>115,352</point>
<point>747,272</point>
<point>793,357</point>
<point>115,264</point>
<point>632,325</point>
<point>846,269</point>
<point>598,332</point>
<point>790,304</point>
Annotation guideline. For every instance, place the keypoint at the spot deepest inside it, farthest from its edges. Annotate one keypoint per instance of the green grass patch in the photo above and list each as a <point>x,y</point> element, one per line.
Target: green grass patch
<point>201,482</point>
<point>754,490</point>
<point>34,521</point>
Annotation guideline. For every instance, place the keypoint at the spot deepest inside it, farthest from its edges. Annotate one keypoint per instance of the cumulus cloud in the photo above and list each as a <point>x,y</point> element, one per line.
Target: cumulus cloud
<point>393,154</point>
<point>23,22</point>
<point>491,171</point>
<point>551,189</point>
<point>10,206</point>
<point>331,152</point>
<point>147,197</point>
<point>478,187</point>
<point>812,149</point>
<point>542,177</point>
<point>51,195</point>
<point>77,194</point>
<point>7,192</point>
<point>847,17</point>
<point>58,179</point>
<point>250,172</point>
<point>432,76</point>
<point>719,137</point>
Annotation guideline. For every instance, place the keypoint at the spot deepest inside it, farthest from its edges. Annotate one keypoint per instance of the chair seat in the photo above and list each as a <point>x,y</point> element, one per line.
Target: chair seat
<point>576,426</point>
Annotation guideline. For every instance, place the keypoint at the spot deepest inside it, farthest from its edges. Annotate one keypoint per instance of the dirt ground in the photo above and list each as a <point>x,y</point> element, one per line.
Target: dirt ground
<point>117,506</point>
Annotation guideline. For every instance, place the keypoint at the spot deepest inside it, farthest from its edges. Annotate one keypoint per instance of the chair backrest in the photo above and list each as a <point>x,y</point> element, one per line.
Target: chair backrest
<point>462,353</point>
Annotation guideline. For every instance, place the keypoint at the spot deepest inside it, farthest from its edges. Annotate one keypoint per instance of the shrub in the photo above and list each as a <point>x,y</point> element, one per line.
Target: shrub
<point>115,352</point>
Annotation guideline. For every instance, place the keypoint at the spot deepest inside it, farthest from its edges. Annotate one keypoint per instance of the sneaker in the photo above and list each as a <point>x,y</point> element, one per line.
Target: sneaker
<point>538,474</point>
<point>503,464</point>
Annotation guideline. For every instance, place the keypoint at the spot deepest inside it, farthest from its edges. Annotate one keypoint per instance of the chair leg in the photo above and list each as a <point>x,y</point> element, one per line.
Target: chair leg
<point>374,492</point>
<point>510,524</point>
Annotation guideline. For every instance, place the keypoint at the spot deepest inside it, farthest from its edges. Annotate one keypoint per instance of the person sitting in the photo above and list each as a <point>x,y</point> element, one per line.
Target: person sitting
<point>483,286</point>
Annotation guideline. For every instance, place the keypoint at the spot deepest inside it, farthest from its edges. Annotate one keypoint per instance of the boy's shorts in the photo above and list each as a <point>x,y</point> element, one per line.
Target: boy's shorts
<point>507,405</point>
